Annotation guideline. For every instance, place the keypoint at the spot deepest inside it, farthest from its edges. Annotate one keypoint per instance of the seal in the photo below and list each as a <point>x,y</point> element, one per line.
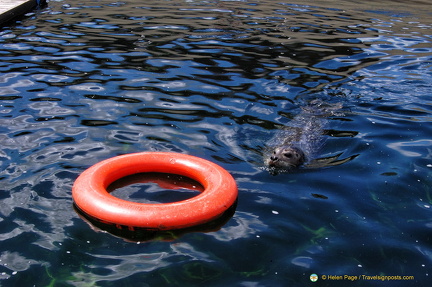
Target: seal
<point>286,156</point>
<point>297,143</point>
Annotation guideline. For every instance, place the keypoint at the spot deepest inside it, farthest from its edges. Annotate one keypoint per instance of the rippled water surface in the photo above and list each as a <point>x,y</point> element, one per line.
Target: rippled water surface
<point>81,82</point>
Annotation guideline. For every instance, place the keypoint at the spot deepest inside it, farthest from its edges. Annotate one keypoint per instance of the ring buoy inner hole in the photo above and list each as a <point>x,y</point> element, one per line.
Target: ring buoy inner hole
<point>155,187</point>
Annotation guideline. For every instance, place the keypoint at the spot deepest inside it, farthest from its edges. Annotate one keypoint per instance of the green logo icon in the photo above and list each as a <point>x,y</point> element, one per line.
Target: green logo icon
<point>314,277</point>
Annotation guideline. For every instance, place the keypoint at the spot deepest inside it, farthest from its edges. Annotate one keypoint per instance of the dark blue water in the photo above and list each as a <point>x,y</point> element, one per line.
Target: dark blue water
<point>82,82</point>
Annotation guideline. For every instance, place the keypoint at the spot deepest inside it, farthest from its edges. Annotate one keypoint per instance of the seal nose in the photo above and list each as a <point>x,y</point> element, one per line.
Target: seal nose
<point>274,158</point>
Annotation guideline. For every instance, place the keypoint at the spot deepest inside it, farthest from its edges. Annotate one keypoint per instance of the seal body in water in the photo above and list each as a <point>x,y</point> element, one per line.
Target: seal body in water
<point>297,143</point>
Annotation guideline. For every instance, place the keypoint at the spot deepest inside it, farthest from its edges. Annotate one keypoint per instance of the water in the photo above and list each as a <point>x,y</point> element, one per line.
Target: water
<point>82,82</point>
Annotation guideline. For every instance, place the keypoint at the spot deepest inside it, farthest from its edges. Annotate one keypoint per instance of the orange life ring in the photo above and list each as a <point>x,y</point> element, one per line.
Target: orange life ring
<point>90,195</point>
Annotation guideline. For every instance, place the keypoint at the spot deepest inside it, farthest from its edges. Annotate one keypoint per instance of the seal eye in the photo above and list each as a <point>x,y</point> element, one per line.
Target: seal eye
<point>288,155</point>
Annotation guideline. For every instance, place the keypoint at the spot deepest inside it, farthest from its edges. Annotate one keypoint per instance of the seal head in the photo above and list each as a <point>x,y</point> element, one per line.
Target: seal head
<point>286,157</point>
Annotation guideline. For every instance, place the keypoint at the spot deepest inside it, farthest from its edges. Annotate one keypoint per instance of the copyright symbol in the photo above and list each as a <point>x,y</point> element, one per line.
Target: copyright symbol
<point>323,277</point>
